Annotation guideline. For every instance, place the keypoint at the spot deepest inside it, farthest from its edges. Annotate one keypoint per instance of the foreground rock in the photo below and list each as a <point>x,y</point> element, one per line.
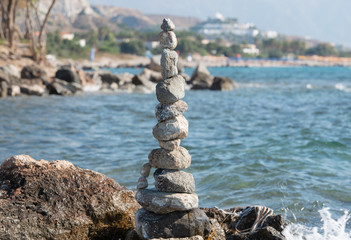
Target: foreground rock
<point>174,225</point>
<point>248,223</point>
<point>223,84</point>
<point>57,200</point>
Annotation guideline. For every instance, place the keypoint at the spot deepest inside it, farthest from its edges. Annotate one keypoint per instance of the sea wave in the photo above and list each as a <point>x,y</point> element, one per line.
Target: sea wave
<point>331,230</point>
<point>342,87</point>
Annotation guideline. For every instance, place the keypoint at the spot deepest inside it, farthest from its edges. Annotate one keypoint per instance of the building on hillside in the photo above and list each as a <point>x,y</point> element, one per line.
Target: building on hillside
<point>269,34</point>
<point>67,36</point>
<point>220,25</point>
<point>251,49</point>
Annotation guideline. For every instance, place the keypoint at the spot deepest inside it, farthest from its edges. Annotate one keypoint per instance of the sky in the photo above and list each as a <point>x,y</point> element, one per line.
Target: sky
<point>325,20</point>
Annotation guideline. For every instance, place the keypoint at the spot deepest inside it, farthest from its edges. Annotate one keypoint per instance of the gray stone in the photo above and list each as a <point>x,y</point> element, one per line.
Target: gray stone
<point>175,128</point>
<point>142,183</point>
<point>168,111</point>
<point>176,159</point>
<point>35,90</point>
<point>167,25</point>
<point>68,74</point>
<point>170,90</point>
<point>168,40</point>
<point>174,181</point>
<point>14,90</point>
<point>145,170</point>
<point>61,87</point>
<point>223,84</point>
<point>201,78</point>
<point>143,80</point>
<point>3,89</point>
<point>169,145</point>
<point>191,224</point>
<point>169,63</point>
<point>163,203</point>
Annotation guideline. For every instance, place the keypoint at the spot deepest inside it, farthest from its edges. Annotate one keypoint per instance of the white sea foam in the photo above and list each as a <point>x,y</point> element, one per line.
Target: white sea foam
<point>309,86</point>
<point>342,87</point>
<point>331,229</point>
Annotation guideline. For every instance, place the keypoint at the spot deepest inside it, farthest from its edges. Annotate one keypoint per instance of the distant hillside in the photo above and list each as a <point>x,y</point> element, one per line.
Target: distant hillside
<point>79,15</point>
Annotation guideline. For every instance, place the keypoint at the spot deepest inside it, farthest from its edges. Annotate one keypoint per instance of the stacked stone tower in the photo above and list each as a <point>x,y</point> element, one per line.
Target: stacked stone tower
<point>171,209</point>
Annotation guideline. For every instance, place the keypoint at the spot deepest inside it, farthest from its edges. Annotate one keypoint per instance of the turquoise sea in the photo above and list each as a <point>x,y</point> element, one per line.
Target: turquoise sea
<point>282,139</point>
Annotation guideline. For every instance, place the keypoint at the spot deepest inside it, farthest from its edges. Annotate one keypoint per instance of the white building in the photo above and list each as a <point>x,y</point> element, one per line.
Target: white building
<point>251,49</point>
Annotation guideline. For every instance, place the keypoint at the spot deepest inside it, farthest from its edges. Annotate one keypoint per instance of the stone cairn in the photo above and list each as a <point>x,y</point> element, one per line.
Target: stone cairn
<point>171,209</point>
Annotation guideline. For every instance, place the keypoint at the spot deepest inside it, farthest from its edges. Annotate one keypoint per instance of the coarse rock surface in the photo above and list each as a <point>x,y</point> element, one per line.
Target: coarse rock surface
<point>223,84</point>
<point>201,78</point>
<point>174,128</point>
<point>169,63</point>
<point>163,203</point>
<point>144,81</point>
<point>168,40</point>
<point>165,159</point>
<point>34,71</point>
<point>3,89</point>
<point>169,145</point>
<point>68,74</point>
<point>57,200</point>
<point>155,63</point>
<point>108,78</point>
<point>10,72</point>
<point>145,170</point>
<point>142,183</point>
<point>174,181</point>
<point>170,90</point>
<point>61,87</point>
<point>167,25</point>
<point>245,223</point>
<point>167,111</point>
<point>151,75</point>
<point>33,89</point>
<point>175,225</point>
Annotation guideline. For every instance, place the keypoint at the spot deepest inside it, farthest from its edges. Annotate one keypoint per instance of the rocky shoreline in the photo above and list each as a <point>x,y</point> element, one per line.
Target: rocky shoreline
<point>57,200</point>
<point>69,80</point>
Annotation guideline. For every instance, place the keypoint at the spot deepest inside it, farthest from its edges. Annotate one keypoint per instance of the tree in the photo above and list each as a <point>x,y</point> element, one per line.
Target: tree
<point>8,22</point>
<point>322,49</point>
<point>38,43</point>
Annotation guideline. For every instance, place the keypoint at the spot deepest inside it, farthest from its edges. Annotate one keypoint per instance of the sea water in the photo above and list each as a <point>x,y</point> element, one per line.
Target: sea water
<point>282,139</point>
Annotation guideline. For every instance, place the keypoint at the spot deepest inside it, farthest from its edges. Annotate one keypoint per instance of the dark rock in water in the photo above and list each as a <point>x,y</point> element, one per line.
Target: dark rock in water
<point>201,78</point>
<point>68,75</point>
<point>34,71</point>
<point>250,223</point>
<point>223,84</point>
<point>109,78</point>
<point>143,80</point>
<point>173,225</point>
<point>57,200</point>
<point>174,181</point>
<point>151,75</point>
<point>61,87</point>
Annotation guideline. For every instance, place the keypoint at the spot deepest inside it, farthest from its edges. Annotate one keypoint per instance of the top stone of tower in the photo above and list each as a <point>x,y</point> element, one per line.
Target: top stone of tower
<point>167,25</point>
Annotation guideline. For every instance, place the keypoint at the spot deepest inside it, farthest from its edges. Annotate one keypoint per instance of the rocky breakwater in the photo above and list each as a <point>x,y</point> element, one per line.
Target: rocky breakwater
<point>171,209</point>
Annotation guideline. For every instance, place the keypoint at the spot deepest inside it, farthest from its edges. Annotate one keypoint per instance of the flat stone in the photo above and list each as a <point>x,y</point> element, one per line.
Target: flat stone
<point>170,90</point>
<point>163,203</point>
<point>145,170</point>
<point>176,159</point>
<point>174,181</point>
<point>167,40</point>
<point>169,63</point>
<point>168,111</point>
<point>175,128</point>
<point>142,183</point>
<point>167,25</point>
<point>169,145</point>
<point>193,224</point>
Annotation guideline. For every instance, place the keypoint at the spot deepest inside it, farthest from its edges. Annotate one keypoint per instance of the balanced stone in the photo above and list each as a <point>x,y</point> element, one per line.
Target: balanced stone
<point>145,170</point>
<point>167,25</point>
<point>169,63</point>
<point>170,90</point>
<point>174,225</point>
<point>163,203</point>
<point>175,128</point>
<point>142,183</point>
<point>168,111</point>
<point>169,145</point>
<point>176,159</point>
<point>168,40</point>
<point>174,181</point>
